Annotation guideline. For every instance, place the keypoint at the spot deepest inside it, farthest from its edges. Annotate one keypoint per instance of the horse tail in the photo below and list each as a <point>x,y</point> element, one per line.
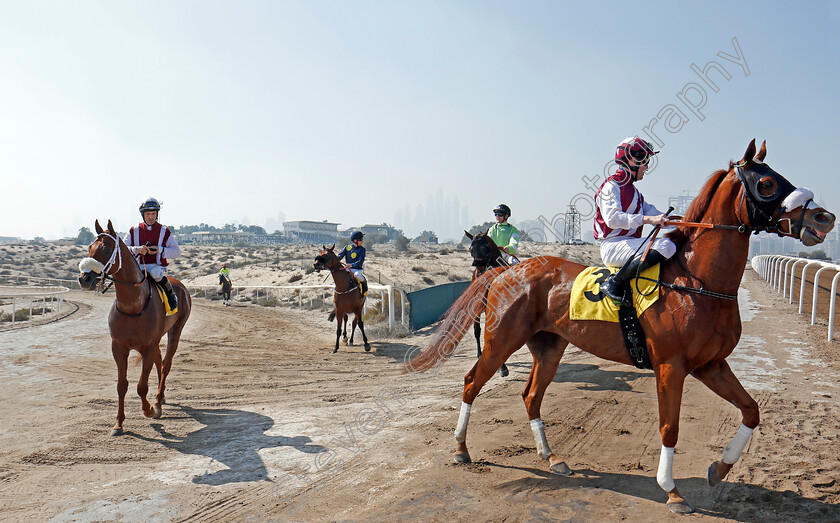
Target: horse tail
<point>331,317</point>
<point>456,322</point>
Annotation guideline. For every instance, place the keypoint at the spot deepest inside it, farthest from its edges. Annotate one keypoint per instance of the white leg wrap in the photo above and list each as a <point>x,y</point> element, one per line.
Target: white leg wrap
<point>539,437</point>
<point>665,476</point>
<point>732,452</point>
<point>463,419</point>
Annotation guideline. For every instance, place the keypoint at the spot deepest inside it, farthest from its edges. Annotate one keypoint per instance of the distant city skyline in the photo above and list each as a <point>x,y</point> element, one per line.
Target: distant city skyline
<point>352,111</point>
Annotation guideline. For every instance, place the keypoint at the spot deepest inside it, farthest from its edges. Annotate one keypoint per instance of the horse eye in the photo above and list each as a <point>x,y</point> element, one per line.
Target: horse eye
<point>767,186</point>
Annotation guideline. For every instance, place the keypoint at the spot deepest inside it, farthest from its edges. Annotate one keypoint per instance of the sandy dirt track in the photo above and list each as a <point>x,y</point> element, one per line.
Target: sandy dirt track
<point>264,423</point>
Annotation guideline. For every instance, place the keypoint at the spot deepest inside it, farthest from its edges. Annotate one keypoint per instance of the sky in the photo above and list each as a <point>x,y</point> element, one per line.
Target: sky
<point>349,111</point>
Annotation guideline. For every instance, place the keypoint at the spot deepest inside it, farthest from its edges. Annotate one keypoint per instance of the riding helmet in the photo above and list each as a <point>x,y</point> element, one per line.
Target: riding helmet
<point>635,148</point>
<point>150,205</point>
<point>357,235</point>
<point>502,209</point>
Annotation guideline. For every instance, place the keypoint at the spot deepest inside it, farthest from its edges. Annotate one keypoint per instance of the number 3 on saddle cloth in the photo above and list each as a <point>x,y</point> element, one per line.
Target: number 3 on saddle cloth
<point>588,303</point>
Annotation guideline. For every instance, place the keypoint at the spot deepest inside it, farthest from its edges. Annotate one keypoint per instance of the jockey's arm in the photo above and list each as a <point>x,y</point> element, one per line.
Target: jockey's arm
<point>171,249</point>
<point>610,207</point>
<point>135,249</point>
<point>513,244</point>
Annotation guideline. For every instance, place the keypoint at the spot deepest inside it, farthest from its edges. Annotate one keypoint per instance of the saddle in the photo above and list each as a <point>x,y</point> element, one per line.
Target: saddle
<point>588,303</point>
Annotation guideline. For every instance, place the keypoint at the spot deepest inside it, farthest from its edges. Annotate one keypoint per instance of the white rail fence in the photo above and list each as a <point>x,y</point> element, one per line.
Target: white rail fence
<point>37,297</point>
<point>323,292</point>
<point>781,271</point>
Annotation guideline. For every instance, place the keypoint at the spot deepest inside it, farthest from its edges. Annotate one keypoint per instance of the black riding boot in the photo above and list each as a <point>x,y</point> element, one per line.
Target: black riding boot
<point>364,287</point>
<point>614,286</point>
<point>170,292</point>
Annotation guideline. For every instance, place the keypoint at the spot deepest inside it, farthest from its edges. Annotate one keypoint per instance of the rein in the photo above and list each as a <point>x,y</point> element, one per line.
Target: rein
<point>352,289</point>
<point>754,210</point>
<point>116,256</point>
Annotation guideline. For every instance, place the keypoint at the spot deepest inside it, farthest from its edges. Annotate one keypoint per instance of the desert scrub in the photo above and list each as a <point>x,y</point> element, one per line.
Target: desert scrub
<point>295,277</point>
<point>418,269</point>
<point>20,315</point>
<point>270,301</point>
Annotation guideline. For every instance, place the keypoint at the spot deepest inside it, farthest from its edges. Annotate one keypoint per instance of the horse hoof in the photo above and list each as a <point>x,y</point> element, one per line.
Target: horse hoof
<point>462,457</point>
<point>504,371</point>
<point>158,412</point>
<point>367,347</point>
<point>712,476</point>
<point>335,350</point>
<point>561,469</point>
<point>681,508</point>
<point>116,432</point>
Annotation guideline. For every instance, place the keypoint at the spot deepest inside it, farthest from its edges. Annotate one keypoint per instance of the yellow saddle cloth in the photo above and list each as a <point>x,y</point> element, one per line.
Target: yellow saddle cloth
<point>588,303</point>
<point>169,310</point>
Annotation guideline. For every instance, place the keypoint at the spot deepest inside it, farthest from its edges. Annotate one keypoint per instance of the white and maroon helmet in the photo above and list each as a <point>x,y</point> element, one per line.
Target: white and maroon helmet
<point>635,148</point>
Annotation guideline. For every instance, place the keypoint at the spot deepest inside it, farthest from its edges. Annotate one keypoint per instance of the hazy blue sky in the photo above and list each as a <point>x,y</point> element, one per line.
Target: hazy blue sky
<point>348,111</point>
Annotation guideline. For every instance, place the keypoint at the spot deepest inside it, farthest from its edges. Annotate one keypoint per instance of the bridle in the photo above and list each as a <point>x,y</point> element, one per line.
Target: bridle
<point>760,217</point>
<point>355,285</point>
<point>115,259</point>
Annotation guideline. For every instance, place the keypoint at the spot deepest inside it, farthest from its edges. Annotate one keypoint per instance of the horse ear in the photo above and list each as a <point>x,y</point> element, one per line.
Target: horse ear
<point>750,152</point>
<point>323,247</point>
<point>333,247</point>
<point>111,227</point>
<point>470,236</point>
<point>762,152</point>
<point>98,227</point>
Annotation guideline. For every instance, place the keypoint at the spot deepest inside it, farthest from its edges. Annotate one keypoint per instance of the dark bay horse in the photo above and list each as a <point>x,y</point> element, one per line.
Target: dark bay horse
<point>691,329</point>
<point>348,296</point>
<point>486,255</point>
<point>226,288</point>
<point>138,317</point>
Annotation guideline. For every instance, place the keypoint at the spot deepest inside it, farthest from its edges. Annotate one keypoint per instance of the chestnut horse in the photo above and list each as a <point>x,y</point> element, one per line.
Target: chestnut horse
<point>486,255</point>
<point>138,317</point>
<point>348,295</point>
<point>691,329</point>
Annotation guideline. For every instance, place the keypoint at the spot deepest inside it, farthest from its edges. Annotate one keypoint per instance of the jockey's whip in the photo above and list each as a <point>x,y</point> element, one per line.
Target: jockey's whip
<point>648,239</point>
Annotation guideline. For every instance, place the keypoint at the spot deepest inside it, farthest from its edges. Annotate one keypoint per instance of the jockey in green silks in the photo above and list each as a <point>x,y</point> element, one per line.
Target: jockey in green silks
<point>504,234</point>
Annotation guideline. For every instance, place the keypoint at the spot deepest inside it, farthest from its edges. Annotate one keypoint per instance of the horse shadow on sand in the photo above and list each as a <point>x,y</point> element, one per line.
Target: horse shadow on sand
<point>734,501</point>
<point>230,437</point>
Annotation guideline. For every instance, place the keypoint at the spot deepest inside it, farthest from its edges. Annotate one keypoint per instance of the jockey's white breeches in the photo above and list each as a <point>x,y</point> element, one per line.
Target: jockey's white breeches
<point>616,251</point>
<point>358,274</point>
<point>157,272</point>
<point>510,259</point>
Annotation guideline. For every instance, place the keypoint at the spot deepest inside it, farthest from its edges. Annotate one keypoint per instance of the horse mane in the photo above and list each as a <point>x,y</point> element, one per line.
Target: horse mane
<point>698,206</point>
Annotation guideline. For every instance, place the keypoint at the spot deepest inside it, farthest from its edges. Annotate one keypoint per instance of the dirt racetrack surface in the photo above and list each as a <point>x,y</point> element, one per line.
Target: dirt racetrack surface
<point>264,423</point>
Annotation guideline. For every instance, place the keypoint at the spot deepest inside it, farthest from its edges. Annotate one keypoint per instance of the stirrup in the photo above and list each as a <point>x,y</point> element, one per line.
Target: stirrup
<point>608,291</point>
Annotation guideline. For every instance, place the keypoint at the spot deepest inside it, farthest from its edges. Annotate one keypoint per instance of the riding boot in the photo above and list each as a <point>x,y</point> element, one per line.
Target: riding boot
<point>614,286</point>
<point>166,285</point>
<point>364,287</point>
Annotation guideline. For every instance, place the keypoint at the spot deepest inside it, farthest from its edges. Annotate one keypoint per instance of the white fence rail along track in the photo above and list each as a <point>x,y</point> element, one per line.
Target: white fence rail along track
<point>782,272</point>
<point>323,292</point>
<point>37,297</point>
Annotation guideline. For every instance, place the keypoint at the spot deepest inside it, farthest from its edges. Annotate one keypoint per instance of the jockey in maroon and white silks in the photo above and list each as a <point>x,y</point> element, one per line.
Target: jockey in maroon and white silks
<point>153,244</point>
<point>620,213</point>
<point>619,216</point>
<point>155,236</point>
